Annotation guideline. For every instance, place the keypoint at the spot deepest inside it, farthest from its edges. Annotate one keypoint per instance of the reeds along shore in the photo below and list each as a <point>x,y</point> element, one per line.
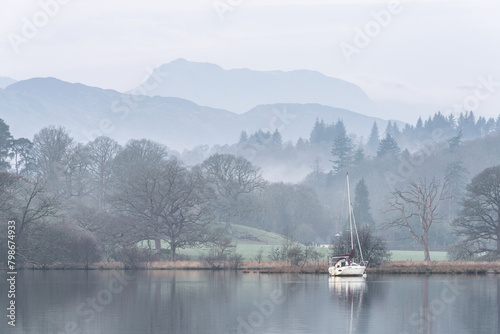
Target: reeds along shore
<point>392,267</point>
<point>437,267</point>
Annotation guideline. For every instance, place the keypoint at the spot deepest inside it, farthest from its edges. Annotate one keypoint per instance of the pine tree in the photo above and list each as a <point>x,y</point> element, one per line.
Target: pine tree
<point>243,137</point>
<point>342,149</point>
<point>361,205</point>
<point>318,132</point>
<point>388,128</point>
<point>359,154</point>
<point>454,142</point>
<point>300,143</point>
<point>419,125</point>
<point>395,130</point>
<point>373,140</point>
<point>388,146</point>
<point>5,145</point>
<point>277,140</point>
<point>456,178</point>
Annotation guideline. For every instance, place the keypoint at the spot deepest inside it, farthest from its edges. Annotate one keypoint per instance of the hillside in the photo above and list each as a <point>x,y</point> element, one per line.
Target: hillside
<point>248,241</point>
<point>240,90</point>
<point>6,81</point>
<point>89,112</point>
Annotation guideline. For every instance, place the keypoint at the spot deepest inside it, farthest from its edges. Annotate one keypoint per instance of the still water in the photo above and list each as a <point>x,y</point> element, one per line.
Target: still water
<point>175,302</point>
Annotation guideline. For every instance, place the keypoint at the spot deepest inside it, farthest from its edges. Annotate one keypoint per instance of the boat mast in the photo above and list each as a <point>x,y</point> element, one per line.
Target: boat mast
<point>349,210</point>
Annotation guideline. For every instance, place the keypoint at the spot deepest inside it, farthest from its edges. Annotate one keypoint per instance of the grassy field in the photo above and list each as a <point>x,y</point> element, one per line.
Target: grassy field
<point>249,241</point>
<point>416,256</point>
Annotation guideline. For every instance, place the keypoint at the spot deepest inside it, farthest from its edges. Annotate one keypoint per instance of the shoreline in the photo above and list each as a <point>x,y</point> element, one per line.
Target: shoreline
<point>393,267</point>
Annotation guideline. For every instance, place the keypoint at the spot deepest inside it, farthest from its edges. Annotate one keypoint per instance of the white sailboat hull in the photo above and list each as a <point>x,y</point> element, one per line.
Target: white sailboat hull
<point>351,270</point>
<point>342,265</point>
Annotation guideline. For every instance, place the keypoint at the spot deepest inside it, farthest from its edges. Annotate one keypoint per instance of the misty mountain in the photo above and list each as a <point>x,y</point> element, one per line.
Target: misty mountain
<point>297,120</point>
<point>6,81</point>
<point>27,106</point>
<point>240,90</point>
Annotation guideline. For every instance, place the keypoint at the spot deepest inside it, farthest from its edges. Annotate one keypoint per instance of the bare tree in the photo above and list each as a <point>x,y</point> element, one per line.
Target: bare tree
<point>416,209</point>
<point>34,203</point>
<point>135,165</point>
<point>374,247</point>
<point>231,178</point>
<point>168,201</point>
<point>8,185</point>
<point>220,248</point>
<point>479,220</point>
<point>76,173</point>
<point>29,204</point>
<point>51,147</point>
<point>101,154</point>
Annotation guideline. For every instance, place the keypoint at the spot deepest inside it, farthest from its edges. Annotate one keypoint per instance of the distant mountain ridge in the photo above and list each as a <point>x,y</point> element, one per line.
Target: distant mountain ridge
<point>6,81</point>
<point>29,105</point>
<point>239,90</point>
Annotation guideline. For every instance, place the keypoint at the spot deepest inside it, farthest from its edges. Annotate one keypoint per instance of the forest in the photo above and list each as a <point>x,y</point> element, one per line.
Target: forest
<point>416,188</point>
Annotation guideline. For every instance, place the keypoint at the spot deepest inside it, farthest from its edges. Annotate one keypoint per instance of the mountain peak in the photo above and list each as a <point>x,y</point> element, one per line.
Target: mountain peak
<point>50,86</point>
<point>239,90</point>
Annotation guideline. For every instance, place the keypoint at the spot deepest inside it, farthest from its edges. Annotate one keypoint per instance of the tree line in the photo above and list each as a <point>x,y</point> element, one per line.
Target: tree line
<point>101,199</point>
<point>80,203</point>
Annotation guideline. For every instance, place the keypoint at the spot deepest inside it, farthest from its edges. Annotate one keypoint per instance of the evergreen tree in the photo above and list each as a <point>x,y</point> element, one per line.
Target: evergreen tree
<point>420,124</point>
<point>388,128</point>
<point>388,146</point>
<point>5,145</point>
<point>300,143</point>
<point>454,142</point>
<point>451,120</point>
<point>395,130</point>
<point>456,178</point>
<point>359,154</point>
<point>489,127</point>
<point>318,132</point>
<point>342,149</point>
<point>243,137</point>
<point>373,140</point>
<point>277,140</point>
<point>361,205</point>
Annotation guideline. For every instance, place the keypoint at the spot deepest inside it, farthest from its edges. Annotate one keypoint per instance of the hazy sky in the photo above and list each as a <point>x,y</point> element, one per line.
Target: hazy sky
<point>426,53</point>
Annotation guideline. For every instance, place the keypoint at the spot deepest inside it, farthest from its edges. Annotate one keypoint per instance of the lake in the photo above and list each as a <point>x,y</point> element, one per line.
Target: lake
<point>175,302</point>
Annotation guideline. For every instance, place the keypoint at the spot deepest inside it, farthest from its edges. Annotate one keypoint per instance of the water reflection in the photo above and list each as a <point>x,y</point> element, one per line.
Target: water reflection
<point>206,302</point>
<point>350,290</point>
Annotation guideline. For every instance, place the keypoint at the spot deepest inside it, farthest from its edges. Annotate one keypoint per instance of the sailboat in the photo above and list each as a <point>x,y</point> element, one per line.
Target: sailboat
<point>343,265</point>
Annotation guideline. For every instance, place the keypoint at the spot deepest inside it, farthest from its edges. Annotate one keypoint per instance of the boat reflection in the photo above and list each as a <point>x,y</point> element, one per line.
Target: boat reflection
<point>346,286</point>
<point>350,290</point>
